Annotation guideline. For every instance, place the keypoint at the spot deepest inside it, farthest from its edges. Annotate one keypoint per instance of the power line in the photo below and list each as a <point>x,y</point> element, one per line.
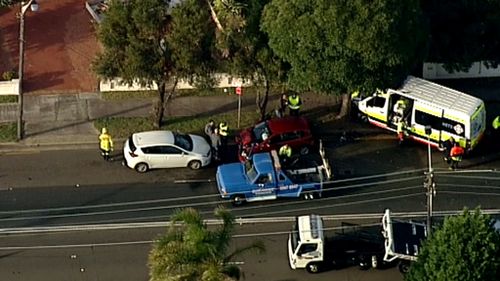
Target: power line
<point>144,202</point>
<point>178,206</point>
<point>142,242</point>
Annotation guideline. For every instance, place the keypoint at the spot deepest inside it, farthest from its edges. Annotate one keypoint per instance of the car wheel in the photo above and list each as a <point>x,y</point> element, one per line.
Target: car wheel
<point>304,150</point>
<point>238,199</point>
<point>404,267</point>
<point>194,164</point>
<point>142,167</point>
<point>312,267</point>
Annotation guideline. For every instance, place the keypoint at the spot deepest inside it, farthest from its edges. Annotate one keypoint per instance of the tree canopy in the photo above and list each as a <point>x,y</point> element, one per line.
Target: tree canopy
<point>466,248</point>
<point>341,46</point>
<point>153,43</point>
<point>191,251</point>
<point>243,47</point>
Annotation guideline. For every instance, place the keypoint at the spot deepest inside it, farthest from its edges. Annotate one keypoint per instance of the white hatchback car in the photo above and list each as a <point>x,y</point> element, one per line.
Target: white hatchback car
<point>166,149</point>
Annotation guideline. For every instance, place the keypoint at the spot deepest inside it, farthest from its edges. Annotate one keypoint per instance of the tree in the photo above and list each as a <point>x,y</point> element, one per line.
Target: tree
<point>463,32</point>
<point>338,47</point>
<point>6,3</point>
<point>191,251</point>
<point>153,43</point>
<point>243,48</point>
<point>466,248</point>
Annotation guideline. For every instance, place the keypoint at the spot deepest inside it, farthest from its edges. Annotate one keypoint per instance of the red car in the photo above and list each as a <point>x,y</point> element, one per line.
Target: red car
<point>274,133</point>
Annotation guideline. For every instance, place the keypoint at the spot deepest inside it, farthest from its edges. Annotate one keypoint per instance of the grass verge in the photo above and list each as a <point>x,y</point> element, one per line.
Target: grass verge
<point>8,99</point>
<point>8,132</point>
<point>122,127</point>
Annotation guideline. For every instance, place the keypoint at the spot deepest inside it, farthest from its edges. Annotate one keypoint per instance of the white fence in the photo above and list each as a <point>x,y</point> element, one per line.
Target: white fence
<point>225,81</point>
<point>9,87</point>
<point>477,70</point>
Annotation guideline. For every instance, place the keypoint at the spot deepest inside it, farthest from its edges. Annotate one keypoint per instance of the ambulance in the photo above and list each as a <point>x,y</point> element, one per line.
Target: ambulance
<point>431,112</point>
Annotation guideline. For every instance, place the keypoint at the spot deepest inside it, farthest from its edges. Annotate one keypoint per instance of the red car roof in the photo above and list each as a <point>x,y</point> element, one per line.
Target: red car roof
<point>288,124</point>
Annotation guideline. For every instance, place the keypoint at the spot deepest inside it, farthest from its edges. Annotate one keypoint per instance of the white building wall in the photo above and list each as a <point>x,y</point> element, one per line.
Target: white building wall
<point>9,87</point>
<point>225,81</point>
<point>477,70</point>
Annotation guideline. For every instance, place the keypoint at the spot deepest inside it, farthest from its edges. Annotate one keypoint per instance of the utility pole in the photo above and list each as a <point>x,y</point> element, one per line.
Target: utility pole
<point>429,184</point>
<point>24,7</point>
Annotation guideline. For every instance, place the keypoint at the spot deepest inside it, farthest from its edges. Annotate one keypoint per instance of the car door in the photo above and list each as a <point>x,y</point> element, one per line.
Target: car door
<point>174,157</point>
<point>154,156</point>
<point>265,185</point>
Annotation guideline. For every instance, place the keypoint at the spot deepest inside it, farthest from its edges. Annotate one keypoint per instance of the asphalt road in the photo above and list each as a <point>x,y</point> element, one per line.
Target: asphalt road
<point>122,255</point>
<point>49,188</point>
<point>42,188</point>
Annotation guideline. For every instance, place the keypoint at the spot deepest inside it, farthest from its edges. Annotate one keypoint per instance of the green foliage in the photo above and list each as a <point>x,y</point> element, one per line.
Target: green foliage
<point>463,32</point>
<point>123,127</point>
<point>8,98</point>
<point>9,75</point>
<point>8,132</point>
<point>342,46</point>
<point>191,251</point>
<point>6,3</point>
<point>150,42</point>
<point>465,248</point>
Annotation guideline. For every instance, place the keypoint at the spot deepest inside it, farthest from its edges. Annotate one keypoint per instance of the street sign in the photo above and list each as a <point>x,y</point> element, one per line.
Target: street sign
<point>238,91</point>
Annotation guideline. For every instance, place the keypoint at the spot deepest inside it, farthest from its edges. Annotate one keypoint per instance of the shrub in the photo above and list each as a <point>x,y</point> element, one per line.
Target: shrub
<point>9,75</point>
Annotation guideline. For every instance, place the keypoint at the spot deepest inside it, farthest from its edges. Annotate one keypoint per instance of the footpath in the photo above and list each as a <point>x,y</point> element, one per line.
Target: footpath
<point>65,121</point>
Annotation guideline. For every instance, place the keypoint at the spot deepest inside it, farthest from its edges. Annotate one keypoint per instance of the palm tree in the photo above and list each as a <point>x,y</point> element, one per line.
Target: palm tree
<point>189,251</point>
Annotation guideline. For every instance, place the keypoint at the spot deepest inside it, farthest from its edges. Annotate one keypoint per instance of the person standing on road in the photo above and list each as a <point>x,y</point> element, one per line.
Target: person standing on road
<point>223,132</point>
<point>209,129</point>
<point>215,141</point>
<point>456,154</point>
<point>446,148</point>
<point>401,131</point>
<point>294,103</point>
<point>105,144</point>
<point>282,106</point>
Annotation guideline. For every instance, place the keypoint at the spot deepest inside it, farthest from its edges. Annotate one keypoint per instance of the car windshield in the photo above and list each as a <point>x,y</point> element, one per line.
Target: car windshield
<point>250,169</point>
<point>183,141</point>
<point>295,236</point>
<point>261,132</point>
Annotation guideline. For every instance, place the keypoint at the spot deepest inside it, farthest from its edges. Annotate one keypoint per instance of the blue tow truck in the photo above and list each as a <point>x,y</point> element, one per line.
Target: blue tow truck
<point>263,177</point>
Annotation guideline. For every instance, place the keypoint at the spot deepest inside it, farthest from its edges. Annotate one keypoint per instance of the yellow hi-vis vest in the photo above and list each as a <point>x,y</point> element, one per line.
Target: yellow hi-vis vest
<point>496,123</point>
<point>285,150</point>
<point>106,142</point>
<point>223,129</point>
<point>294,103</point>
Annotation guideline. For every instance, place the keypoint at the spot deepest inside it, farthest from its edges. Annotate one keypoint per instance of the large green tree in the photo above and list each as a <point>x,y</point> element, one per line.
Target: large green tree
<point>344,45</point>
<point>243,49</point>
<point>190,250</point>
<point>153,43</point>
<point>465,248</point>
<point>463,32</point>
